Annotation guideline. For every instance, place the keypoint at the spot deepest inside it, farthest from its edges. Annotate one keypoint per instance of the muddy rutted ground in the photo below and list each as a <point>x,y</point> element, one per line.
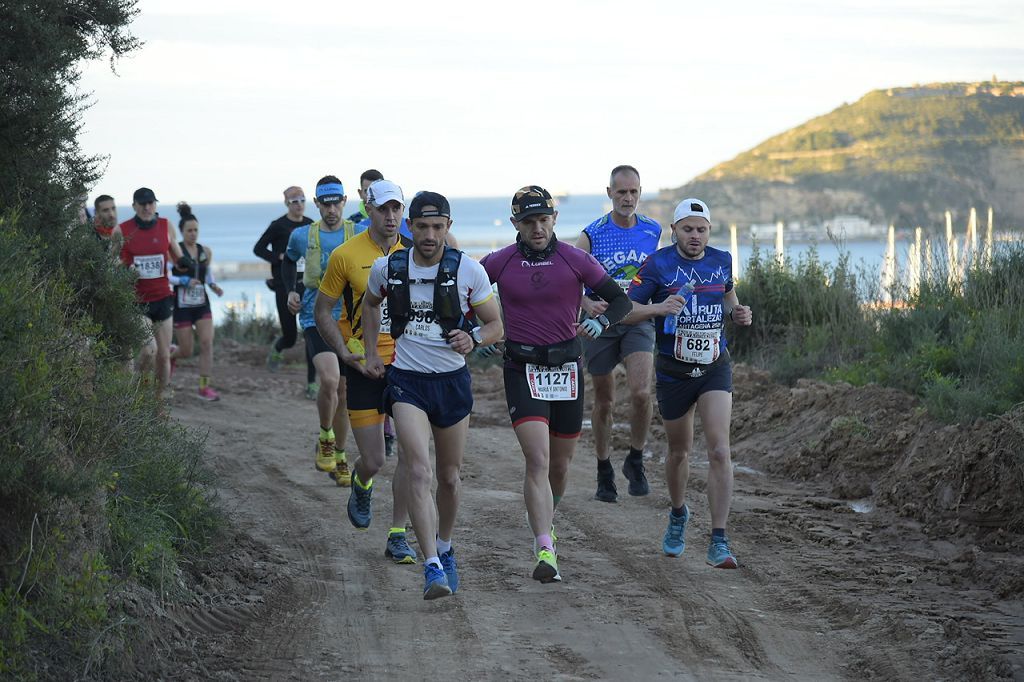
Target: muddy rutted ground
<point>926,585</point>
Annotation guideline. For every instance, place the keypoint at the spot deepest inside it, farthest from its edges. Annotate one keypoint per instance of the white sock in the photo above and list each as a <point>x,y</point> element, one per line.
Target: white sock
<point>443,545</point>
<point>435,562</point>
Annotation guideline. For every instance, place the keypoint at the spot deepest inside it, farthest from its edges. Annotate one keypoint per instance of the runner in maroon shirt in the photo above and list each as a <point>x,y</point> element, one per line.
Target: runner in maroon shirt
<point>540,283</point>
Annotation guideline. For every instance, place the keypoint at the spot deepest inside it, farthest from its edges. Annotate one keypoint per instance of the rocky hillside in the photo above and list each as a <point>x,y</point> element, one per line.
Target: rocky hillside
<point>902,155</point>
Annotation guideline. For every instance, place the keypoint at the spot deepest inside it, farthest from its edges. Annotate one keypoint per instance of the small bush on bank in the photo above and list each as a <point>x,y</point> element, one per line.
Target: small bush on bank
<point>95,487</point>
<point>957,342</point>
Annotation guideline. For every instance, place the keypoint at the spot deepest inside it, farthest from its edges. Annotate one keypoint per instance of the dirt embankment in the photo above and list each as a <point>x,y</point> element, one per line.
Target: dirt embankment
<point>922,583</point>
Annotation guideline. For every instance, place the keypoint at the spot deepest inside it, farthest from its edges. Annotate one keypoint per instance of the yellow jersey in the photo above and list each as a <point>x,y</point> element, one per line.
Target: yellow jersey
<point>348,271</point>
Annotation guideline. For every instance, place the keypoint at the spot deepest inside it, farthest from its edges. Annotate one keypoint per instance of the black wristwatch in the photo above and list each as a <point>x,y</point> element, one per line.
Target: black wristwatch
<point>604,321</point>
<point>475,335</point>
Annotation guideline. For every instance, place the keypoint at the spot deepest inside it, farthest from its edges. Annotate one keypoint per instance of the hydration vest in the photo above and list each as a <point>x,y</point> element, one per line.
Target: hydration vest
<point>314,267</point>
<point>447,306</point>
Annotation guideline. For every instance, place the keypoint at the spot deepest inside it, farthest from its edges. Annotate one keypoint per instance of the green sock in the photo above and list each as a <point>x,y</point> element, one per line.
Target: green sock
<point>326,434</point>
<point>555,499</point>
<point>364,486</point>
<point>340,455</point>
<point>204,382</point>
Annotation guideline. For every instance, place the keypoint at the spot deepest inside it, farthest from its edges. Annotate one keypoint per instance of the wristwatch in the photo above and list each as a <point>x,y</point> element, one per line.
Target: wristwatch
<point>604,321</point>
<point>475,335</point>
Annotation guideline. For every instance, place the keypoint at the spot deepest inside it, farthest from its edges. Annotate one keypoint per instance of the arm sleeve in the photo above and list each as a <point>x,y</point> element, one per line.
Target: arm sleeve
<point>619,304</point>
<point>262,248</point>
<point>288,273</point>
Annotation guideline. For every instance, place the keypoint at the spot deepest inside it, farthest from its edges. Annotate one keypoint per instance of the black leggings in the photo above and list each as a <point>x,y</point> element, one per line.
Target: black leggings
<point>290,329</point>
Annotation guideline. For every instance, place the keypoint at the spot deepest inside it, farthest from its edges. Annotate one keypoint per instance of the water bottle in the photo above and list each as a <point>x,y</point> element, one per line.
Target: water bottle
<point>672,320</point>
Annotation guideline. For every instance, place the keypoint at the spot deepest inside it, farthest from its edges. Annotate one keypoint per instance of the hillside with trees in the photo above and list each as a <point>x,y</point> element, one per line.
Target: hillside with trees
<point>901,155</point>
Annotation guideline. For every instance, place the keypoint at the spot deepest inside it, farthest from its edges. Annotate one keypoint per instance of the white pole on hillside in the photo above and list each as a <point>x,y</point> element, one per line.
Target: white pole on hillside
<point>734,246</point>
<point>889,267</point>
<point>951,251</point>
<point>914,263</point>
<point>779,245</point>
<point>988,238</point>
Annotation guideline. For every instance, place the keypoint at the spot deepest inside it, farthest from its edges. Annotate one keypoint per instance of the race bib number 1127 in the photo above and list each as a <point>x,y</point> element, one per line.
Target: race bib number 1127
<point>553,383</point>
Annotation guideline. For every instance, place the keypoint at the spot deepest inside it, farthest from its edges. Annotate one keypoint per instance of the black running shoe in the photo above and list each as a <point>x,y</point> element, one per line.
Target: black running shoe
<point>606,491</point>
<point>633,470</point>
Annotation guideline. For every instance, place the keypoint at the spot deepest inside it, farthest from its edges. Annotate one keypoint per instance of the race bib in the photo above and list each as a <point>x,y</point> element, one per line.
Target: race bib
<point>422,321</point>
<point>300,265</point>
<point>149,267</point>
<point>385,318</point>
<point>553,383</point>
<point>698,346</point>
<point>191,296</point>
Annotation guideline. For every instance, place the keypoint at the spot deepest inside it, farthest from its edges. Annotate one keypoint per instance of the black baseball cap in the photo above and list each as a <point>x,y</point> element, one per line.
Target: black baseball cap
<point>532,200</point>
<point>143,195</point>
<point>429,205</point>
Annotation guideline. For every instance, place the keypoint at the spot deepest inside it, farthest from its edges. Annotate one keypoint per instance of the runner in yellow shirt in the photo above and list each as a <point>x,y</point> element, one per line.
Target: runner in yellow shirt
<point>348,271</point>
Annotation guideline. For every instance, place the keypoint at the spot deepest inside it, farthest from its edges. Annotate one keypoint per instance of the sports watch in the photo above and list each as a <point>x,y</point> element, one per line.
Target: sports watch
<point>604,321</point>
<point>476,336</point>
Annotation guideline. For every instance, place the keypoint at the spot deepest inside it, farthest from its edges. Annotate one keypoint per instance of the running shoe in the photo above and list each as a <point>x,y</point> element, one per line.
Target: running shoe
<point>312,390</point>
<point>207,393</point>
<point>546,569</point>
<point>325,455</point>
<point>435,583</point>
<point>450,569</point>
<point>342,476</point>
<point>633,470</point>
<point>719,554</point>
<point>389,445</point>
<point>359,511</point>
<point>606,491</point>
<point>274,357</point>
<point>398,549</point>
<point>675,541</point>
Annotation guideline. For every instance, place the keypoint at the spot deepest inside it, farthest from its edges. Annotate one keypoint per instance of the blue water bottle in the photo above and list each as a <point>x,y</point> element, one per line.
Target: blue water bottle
<point>672,320</point>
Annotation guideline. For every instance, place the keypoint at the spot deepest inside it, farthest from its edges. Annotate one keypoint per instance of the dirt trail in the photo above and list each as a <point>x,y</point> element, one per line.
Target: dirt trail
<point>822,593</point>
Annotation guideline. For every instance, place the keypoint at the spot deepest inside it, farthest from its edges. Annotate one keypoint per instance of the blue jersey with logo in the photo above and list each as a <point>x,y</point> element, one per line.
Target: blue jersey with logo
<point>666,273</point>
<point>297,243</point>
<point>622,250</point>
<point>403,229</point>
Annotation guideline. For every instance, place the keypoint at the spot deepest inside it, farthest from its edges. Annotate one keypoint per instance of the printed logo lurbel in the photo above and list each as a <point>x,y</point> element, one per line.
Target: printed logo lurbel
<point>528,264</point>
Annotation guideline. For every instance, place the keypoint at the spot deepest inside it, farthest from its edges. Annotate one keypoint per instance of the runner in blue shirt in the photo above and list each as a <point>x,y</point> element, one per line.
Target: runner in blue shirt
<point>328,233</point>
<point>620,241</point>
<point>688,289</point>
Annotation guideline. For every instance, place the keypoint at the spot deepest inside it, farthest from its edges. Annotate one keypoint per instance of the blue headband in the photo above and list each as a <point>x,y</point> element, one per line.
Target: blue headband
<point>331,189</point>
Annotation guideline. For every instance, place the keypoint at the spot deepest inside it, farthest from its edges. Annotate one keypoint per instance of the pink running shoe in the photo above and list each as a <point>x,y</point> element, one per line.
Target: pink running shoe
<point>208,394</point>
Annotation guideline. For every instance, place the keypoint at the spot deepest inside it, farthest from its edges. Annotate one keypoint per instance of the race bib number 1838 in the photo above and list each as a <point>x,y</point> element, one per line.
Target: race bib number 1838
<point>553,383</point>
<point>149,267</point>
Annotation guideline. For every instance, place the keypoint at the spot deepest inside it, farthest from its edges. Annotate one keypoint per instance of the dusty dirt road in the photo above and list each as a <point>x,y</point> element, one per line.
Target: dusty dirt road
<point>823,592</point>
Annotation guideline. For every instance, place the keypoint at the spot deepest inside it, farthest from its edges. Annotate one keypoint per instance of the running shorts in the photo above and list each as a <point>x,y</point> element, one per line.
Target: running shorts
<point>677,396</point>
<point>365,398</point>
<point>609,349</point>
<point>187,317</point>
<point>563,417</point>
<point>446,397</point>
<point>158,311</point>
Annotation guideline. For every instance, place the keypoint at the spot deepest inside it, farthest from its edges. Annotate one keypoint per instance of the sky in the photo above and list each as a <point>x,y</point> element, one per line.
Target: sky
<point>233,101</point>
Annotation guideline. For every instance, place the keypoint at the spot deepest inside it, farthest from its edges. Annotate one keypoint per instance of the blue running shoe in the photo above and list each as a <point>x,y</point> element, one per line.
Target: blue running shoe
<point>435,584</point>
<point>674,542</point>
<point>450,569</point>
<point>359,512</point>
<point>633,470</point>
<point>398,549</point>
<point>719,554</point>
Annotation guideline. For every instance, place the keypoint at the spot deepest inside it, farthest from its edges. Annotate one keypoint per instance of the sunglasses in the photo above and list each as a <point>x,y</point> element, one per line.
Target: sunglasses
<point>297,201</point>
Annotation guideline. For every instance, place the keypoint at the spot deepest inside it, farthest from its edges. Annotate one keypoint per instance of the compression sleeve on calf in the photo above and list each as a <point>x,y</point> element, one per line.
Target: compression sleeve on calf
<point>619,304</point>
<point>288,272</point>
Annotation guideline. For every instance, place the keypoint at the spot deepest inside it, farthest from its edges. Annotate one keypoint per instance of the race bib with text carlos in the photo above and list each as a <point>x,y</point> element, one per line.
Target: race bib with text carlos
<point>553,383</point>
<point>423,322</point>
<point>191,296</point>
<point>698,346</point>
<point>149,267</point>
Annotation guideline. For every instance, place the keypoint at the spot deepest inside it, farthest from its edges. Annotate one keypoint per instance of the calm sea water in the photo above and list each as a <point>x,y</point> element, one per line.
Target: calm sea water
<point>480,223</point>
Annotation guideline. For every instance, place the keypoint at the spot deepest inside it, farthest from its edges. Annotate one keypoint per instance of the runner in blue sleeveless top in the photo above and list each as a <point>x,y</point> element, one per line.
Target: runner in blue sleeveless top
<point>540,282</point>
<point>621,241</point>
<point>688,289</point>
